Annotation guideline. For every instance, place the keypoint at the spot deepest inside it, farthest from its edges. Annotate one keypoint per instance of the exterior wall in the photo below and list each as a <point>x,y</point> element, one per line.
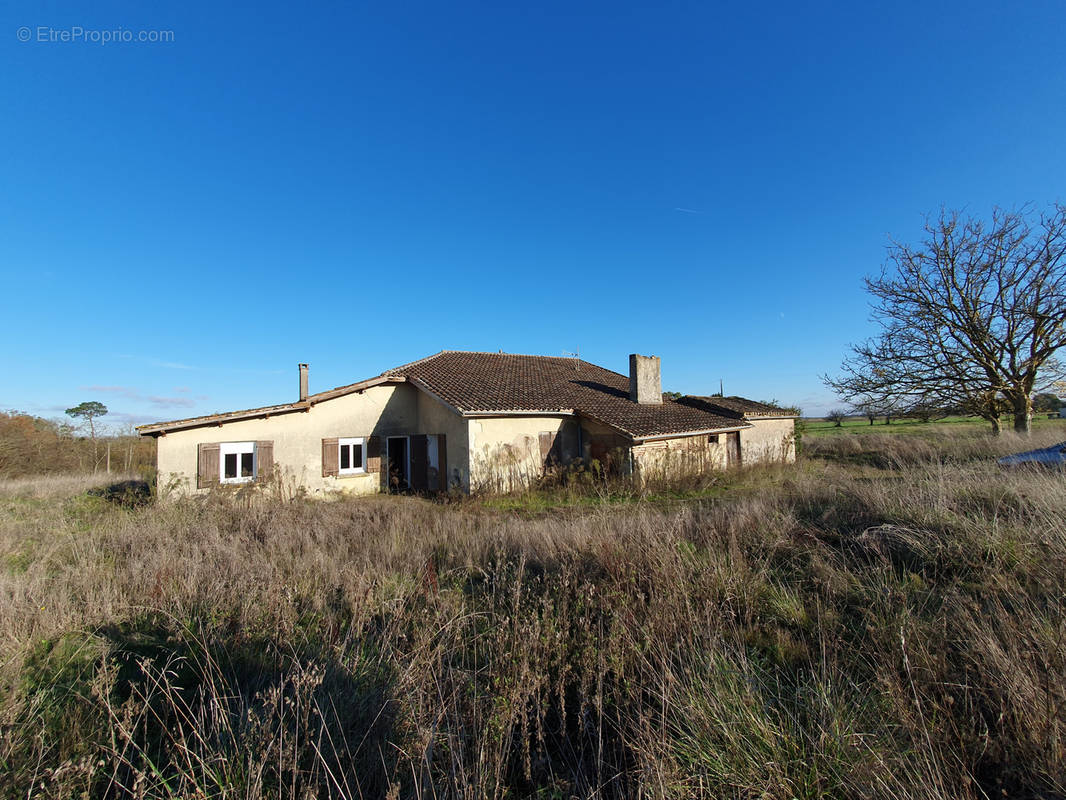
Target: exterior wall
<point>768,440</point>
<point>505,452</point>
<point>674,458</point>
<point>603,446</point>
<point>483,454</point>
<point>380,411</point>
<point>645,383</point>
<point>435,417</point>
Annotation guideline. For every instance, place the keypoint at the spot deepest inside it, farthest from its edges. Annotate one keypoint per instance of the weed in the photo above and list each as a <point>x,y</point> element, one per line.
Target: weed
<point>883,626</point>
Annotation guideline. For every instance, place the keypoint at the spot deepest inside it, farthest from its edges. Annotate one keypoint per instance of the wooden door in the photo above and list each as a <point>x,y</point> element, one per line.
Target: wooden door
<point>732,449</point>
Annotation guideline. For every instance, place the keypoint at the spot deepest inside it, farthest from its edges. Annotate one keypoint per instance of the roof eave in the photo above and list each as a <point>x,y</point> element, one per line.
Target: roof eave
<point>421,386</point>
<point>163,428</point>
<point>522,412</point>
<point>353,388</point>
<point>658,437</point>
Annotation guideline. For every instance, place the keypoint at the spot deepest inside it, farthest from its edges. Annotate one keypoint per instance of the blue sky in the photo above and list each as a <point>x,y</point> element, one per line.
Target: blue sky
<point>182,222</point>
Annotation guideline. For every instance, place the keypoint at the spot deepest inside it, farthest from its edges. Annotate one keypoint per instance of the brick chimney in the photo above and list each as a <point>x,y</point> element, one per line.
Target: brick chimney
<point>645,381</point>
<point>303,382</point>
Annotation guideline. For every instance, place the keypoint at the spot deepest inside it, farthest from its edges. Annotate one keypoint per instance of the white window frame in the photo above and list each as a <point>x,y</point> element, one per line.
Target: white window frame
<point>238,449</point>
<point>348,442</point>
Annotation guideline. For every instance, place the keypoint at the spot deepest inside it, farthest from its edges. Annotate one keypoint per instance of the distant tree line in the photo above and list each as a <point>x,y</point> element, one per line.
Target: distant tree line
<point>1044,402</point>
<point>31,445</point>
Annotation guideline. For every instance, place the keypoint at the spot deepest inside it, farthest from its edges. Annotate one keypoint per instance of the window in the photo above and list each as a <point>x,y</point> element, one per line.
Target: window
<point>238,462</point>
<point>712,439</point>
<point>352,455</point>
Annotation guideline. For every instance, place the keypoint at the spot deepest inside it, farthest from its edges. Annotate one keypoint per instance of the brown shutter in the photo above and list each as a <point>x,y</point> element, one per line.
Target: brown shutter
<point>442,463</point>
<point>732,444</point>
<point>206,465</point>
<point>264,460</point>
<point>373,455</point>
<point>547,448</point>
<point>419,462</point>
<point>330,457</point>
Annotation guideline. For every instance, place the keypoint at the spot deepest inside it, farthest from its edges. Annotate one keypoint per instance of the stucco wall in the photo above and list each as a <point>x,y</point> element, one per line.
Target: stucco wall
<point>768,440</point>
<point>505,451</point>
<point>679,457</point>
<point>434,417</point>
<point>491,453</point>
<point>380,410</point>
<point>603,447</point>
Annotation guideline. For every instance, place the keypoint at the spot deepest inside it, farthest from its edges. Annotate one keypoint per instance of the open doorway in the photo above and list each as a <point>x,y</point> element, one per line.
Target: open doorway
<point>399,463</point>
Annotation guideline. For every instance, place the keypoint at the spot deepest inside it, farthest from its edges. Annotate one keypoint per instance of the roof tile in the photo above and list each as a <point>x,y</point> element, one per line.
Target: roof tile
<point>735,406</point>
<point>504,382</point>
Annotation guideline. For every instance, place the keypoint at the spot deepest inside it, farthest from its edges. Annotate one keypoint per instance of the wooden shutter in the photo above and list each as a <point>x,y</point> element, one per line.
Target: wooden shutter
<point>733,448</point>
<point>442,463</point>
<point>547,448</point>
<point>330,457</point>
<point>264,460</point>
<point>373,455</point>
<point>419,462</point>
<point>206,465</point>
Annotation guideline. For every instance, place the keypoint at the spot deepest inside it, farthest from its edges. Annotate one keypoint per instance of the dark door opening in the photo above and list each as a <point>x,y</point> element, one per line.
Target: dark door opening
<point>399,471</point>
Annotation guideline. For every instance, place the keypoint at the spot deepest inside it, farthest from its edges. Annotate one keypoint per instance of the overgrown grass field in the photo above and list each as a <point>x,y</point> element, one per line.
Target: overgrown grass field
<point>883,619</point>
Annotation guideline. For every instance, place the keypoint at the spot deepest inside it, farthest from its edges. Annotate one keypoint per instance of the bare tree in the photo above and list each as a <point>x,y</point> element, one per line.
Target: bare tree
<point>926,413</point>
<point>837,417</point>
<point>970,318</point>
<point>867,408</point>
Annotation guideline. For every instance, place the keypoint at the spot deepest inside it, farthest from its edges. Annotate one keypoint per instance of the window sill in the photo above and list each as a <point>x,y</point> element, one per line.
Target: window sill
<point>353,474</point>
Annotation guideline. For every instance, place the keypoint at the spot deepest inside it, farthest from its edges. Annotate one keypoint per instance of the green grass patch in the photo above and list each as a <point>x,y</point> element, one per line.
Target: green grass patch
<point>905,426</point>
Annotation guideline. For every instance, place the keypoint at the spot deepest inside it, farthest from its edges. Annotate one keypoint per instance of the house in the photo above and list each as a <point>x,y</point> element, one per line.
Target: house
<point>470,421</point>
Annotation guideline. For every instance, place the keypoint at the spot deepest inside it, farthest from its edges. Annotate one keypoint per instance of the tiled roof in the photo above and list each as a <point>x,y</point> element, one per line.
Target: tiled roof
<point>735,406</point>
<point>502,382</point>
<point>490,383</point>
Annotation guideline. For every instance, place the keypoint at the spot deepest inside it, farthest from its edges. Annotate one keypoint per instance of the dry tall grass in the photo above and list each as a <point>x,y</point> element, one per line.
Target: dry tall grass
<point>864,625</point>
<point>56,486</point>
